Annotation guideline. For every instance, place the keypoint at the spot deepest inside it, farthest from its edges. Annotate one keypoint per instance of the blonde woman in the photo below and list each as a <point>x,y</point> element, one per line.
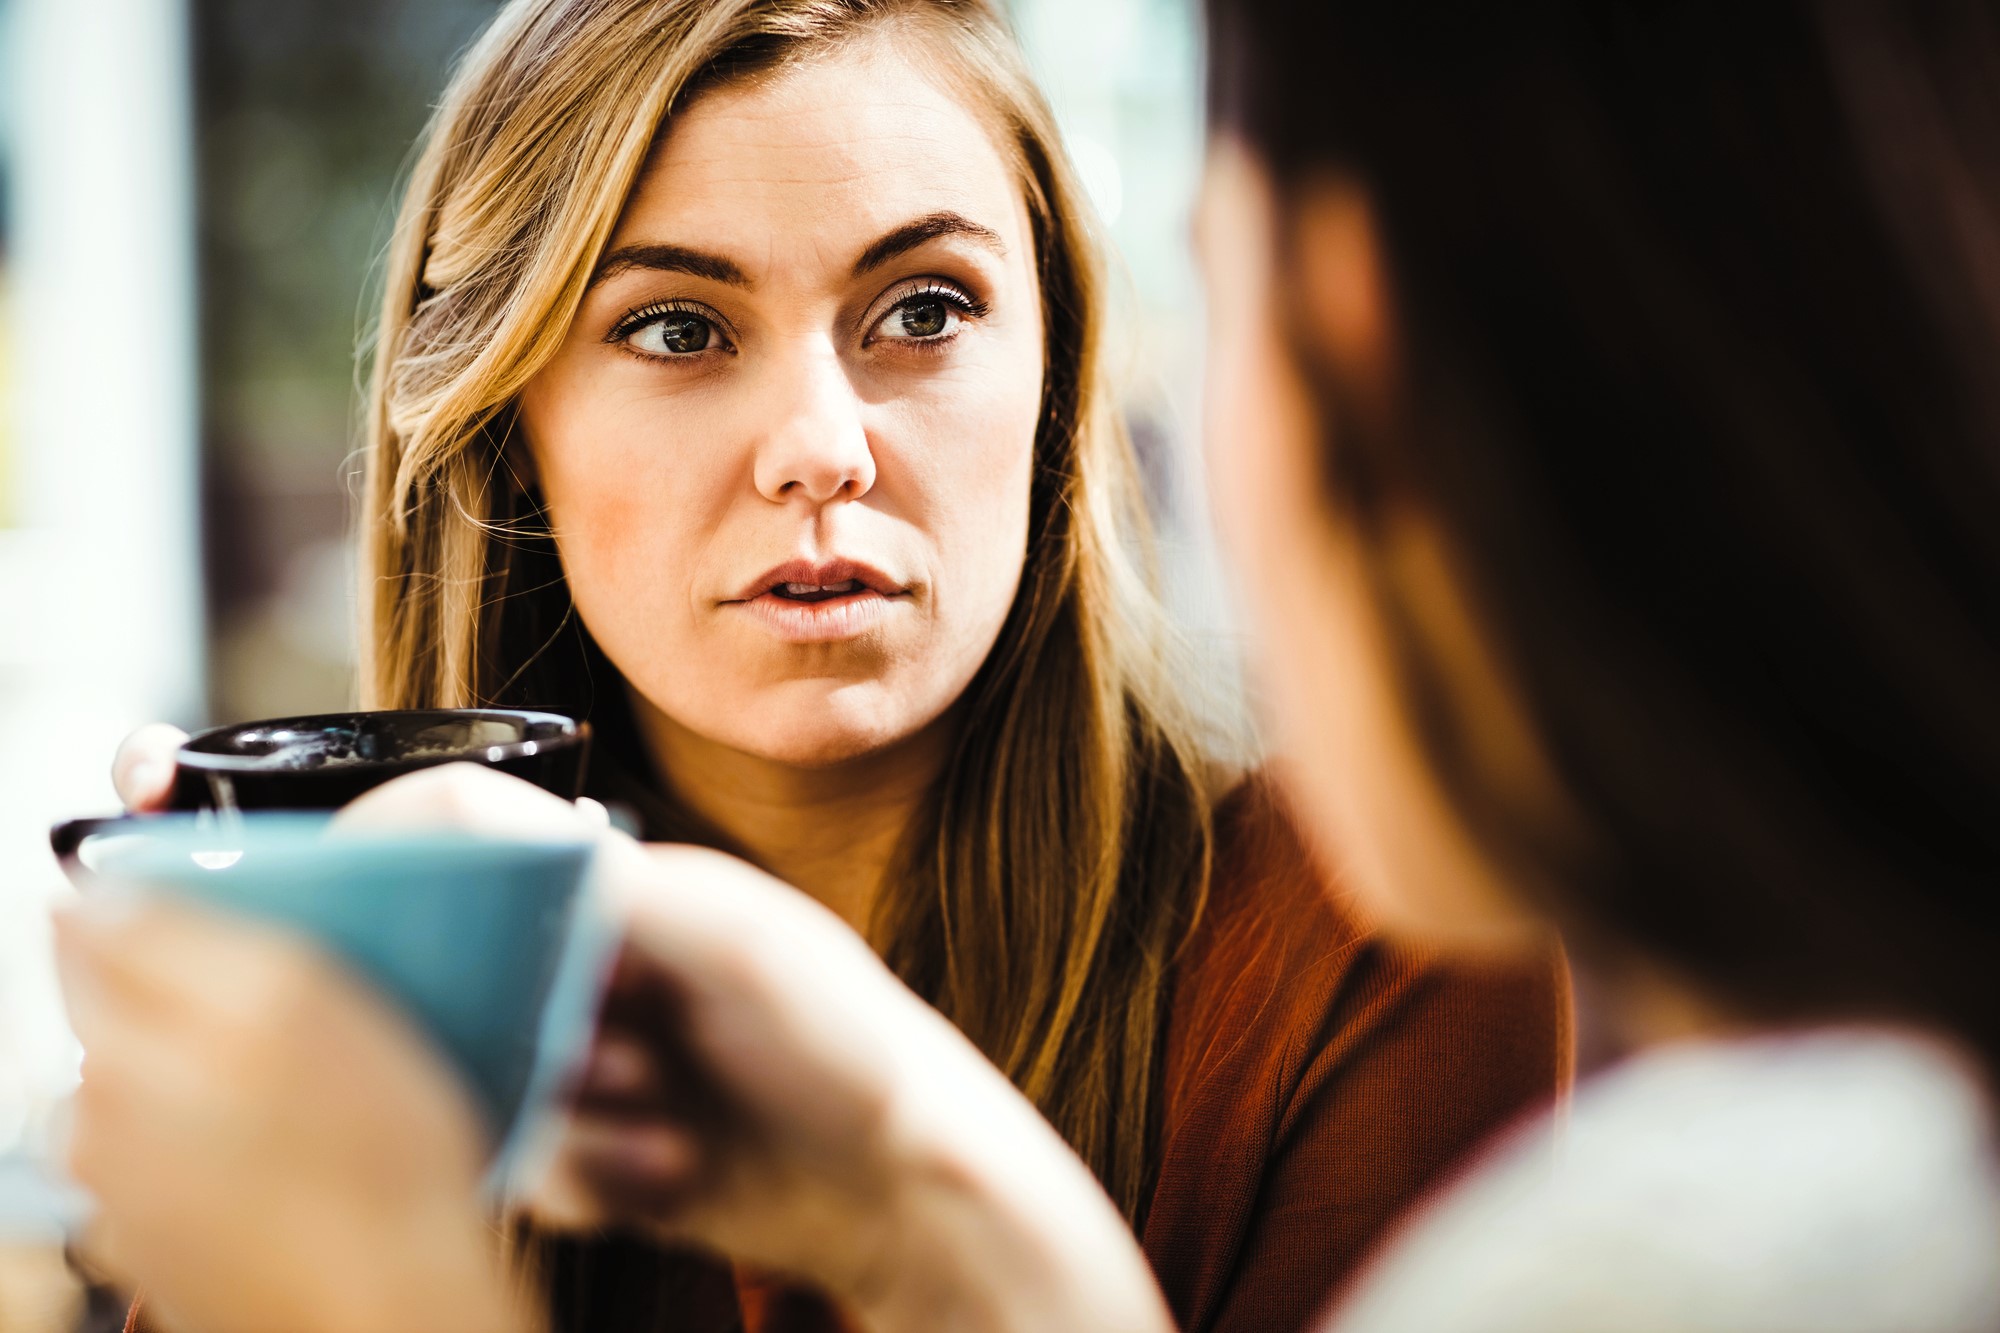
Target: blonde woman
<point>738,386</point>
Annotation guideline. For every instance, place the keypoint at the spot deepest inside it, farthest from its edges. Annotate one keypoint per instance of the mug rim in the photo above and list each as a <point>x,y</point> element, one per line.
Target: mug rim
<point>284,828</point>
<point>574,732</point>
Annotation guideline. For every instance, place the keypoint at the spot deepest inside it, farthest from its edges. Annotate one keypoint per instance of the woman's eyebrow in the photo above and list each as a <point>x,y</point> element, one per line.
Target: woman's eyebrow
<point>670,259</point>
<point>701,264</point>
<point>926,228</point>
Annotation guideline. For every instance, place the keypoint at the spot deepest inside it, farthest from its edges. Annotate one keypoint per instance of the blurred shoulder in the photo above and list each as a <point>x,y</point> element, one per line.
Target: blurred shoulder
<point>1836,1180</point>
<point>1285,954</point>
<point>1272,897</point>
<point>1278,943</point>
<point>1318,1076</point>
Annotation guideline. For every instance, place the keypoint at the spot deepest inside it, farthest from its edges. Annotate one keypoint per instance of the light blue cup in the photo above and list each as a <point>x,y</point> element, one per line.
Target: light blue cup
<point>494,949</point>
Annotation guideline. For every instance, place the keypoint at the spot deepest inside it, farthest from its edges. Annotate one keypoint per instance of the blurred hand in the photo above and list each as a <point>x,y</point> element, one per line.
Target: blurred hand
<point>281,1147</point>
<point>726,1101</point>
<point>270,1146</point>
<point>763,1085</point>
<point>473,799</point>
<point>143,769</point>
<point>663,1131</point>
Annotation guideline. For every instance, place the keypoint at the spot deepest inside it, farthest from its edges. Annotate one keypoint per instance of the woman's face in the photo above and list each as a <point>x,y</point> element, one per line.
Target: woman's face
<point>787,443</point>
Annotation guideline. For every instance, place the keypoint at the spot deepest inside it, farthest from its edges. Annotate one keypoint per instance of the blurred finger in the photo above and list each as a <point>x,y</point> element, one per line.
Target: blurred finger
<point>161,957</point>
<point>605,1172</point>
<point>469,797</point>
<point>141,1084</point>
<point>142,771</point>
<point>620,1069</point>
<point>133,1092</point>
<point>625,1169</point>
<point>646,1152</point>
<point>642,1059</point>
<point>670,928</point>
<point>101,995</point>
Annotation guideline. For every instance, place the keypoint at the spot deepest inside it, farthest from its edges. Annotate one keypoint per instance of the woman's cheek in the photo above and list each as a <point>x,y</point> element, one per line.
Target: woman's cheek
<point>1002,515</point>
<point>630,501</point>
<point>960,460</point>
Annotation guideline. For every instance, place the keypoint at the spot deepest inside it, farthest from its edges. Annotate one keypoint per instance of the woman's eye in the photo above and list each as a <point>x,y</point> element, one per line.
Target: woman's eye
<point>926,316</point>
<point>676,334</point>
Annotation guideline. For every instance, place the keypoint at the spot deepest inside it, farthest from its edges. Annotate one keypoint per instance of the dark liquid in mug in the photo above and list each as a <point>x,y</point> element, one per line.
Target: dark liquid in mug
<point>293,748</point>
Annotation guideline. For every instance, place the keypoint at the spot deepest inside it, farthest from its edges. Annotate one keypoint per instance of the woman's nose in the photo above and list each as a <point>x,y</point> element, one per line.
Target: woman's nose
<point>817,447</point>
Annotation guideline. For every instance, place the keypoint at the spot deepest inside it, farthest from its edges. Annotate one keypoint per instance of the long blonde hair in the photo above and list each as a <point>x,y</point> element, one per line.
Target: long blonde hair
<point>1041,896</point>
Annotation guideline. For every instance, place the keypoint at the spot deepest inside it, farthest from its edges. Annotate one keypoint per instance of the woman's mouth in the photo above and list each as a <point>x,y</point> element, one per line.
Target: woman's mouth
<point>814,592</point>
<point>806,603</point>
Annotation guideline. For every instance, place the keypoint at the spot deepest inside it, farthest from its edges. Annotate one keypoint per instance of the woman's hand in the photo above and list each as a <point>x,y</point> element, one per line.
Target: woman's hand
<point>270,1146</point>
<point>763,1085</point>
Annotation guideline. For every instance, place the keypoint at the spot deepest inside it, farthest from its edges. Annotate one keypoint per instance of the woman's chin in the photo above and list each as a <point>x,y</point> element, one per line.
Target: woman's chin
<point>808,729</point>
<point>819,747</point>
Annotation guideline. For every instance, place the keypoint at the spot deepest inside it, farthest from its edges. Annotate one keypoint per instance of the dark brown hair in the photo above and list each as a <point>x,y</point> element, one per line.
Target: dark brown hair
<point>1697,311</point>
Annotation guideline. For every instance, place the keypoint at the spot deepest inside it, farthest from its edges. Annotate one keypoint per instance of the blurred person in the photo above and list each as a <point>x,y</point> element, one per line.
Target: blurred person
<point>739,385</point>
<point>1602,418</point>
<point>1616,385</point>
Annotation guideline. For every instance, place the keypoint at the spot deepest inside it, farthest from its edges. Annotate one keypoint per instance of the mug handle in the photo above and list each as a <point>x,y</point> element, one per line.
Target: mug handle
<point>66,840</point>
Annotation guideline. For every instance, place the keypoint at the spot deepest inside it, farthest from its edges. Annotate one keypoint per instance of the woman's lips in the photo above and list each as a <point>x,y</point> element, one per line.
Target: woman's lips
<point>821,601</point>
<point>826,620</point>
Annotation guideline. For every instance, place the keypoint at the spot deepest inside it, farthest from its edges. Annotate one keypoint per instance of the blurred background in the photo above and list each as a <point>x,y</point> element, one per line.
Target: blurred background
<point>193,198</point>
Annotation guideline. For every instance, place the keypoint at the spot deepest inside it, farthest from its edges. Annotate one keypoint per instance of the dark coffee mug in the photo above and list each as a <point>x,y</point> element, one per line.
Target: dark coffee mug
<point>324,761</point>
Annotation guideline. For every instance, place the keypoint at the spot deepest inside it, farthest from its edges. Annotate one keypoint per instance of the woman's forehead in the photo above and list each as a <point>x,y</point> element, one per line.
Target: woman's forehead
<point>819,160</point>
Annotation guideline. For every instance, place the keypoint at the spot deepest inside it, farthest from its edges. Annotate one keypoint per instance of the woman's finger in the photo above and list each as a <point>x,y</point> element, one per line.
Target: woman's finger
<point>169,958</point>
<point>608,1171</point>
<point>137,1090</point>
<point>640,1152</point>
<point>104,987</point>
<point>142,771</point>
<point>472,798</point>
<point>619,1170</point>
<point>621,1070</point>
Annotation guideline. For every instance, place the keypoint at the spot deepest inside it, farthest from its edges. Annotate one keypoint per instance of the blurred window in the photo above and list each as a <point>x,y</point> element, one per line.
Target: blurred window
<point>100,609</point>
<point>306,113</point>
<point>1124,79</point>
<point>7,426</point>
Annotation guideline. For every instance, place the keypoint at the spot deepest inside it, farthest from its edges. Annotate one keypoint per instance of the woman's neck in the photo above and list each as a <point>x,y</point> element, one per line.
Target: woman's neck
<point>830,830</point>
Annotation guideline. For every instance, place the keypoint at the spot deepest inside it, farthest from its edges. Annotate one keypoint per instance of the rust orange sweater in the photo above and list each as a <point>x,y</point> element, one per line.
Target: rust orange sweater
<point>1317,1080</point>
